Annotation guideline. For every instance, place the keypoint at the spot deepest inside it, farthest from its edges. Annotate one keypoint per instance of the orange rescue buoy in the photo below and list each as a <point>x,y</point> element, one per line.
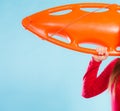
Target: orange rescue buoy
<point>78,26</point>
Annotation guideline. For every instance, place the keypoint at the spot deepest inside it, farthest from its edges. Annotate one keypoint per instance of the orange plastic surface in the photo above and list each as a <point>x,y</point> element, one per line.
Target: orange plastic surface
<point>79,26</point>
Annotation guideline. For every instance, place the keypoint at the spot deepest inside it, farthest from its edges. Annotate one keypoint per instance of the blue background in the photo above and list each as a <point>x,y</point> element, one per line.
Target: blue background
<point>36,75</point>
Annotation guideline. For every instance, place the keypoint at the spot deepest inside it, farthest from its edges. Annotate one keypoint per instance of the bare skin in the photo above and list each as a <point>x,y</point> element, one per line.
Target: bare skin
<point>102,54</point>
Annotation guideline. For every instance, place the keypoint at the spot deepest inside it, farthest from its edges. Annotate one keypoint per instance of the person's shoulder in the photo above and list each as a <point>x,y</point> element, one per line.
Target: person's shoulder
<point>114,60</point>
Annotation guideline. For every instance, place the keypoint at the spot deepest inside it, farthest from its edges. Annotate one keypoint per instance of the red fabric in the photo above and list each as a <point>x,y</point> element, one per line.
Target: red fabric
<point>94,85</point>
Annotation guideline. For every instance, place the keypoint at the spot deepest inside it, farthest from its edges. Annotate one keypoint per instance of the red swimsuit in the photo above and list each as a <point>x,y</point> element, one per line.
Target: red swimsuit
<point>94,85</point>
